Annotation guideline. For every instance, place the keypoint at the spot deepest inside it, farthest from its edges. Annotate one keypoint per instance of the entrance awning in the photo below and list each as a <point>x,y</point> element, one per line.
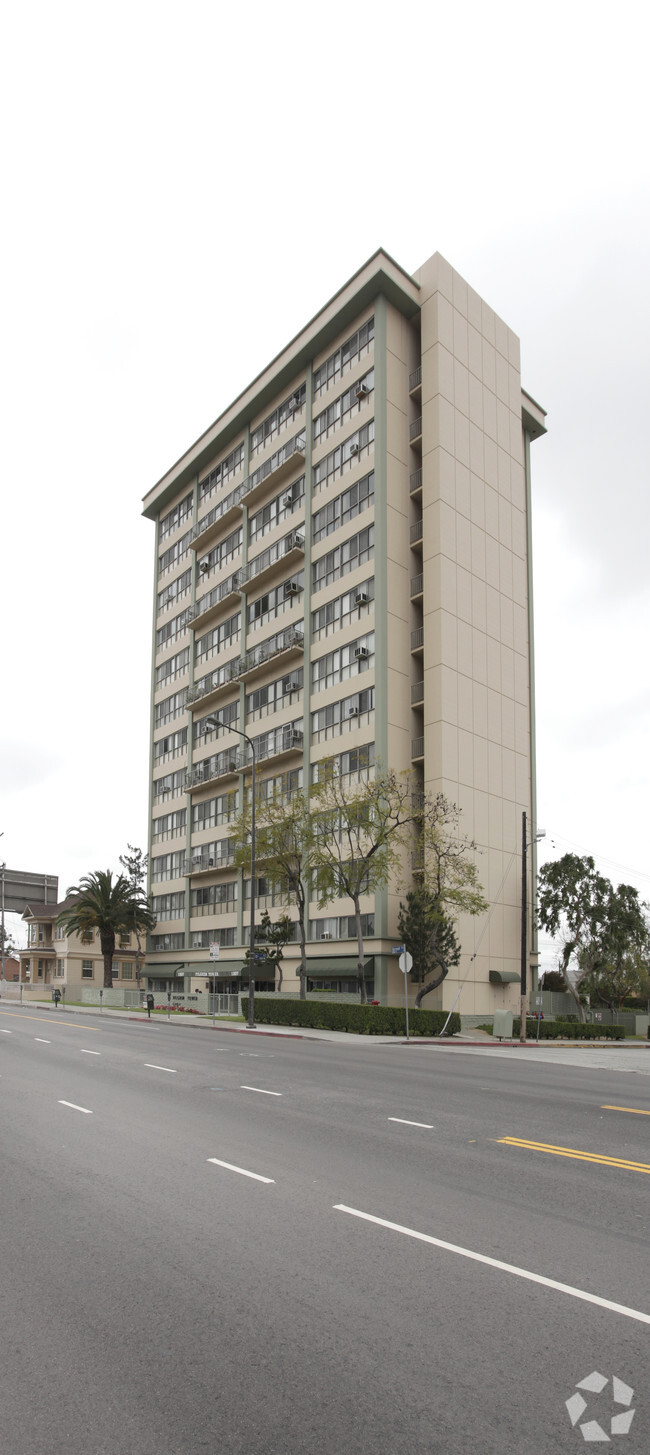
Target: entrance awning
<point>344,966</point>
<point>504,977</point>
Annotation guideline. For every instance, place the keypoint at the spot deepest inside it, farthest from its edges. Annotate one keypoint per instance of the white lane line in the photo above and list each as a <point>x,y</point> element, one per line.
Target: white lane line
<point>617,1308</point>
<point>152,1067</point>
<point>230,1166</point>
<point>84,1052</point>
<point>5,1032</point>
<point>42,1040</point>
<point>261,1090</point>
<point>74,1106</point>
<point>427,1125</point>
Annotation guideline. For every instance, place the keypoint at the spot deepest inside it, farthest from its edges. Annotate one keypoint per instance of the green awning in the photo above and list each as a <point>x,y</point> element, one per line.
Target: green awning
<point>341,965</point>
<point>504,977</point>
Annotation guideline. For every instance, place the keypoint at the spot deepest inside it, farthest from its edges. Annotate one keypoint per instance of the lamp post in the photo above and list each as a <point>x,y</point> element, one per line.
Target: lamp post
<point>213,721</point>
<point>540,834</point>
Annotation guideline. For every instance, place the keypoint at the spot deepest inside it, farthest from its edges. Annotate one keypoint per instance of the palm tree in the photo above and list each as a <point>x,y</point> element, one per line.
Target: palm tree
<point>113,908</point>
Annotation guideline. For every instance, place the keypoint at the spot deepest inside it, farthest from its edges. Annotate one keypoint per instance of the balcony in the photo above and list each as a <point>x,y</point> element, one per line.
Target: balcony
<point>417,584</point>
<point>279,743</point>
<point>417,694</point>
<point>287,552</point>
<point>279,464</point>
<point>417,639</point>
<point>415,383</point>
<point>415,482</point>
<point>214,684</point>
<point>208,606</point>
<point>287,644</point>
<point>415,535</point>
<point>415,432</point>
<point>209,864</point>
<point>221,765</point>
<point>417,749</point>
<point>217,520</point>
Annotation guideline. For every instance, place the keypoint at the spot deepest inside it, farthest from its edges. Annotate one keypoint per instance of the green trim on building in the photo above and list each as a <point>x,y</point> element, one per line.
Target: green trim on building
<point>381,597</point>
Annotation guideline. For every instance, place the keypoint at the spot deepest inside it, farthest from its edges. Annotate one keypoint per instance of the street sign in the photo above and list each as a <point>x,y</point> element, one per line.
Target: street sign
<point>214,949</point>
<point>397,950</point>
<point>405,962</point>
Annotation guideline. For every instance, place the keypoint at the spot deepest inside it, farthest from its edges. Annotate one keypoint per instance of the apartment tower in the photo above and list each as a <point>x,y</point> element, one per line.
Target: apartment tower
<point>343,568</point>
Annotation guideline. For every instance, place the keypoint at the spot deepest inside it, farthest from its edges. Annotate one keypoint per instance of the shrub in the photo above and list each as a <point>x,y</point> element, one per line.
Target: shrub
<point>570,1031</point>
<point>372,1020</point>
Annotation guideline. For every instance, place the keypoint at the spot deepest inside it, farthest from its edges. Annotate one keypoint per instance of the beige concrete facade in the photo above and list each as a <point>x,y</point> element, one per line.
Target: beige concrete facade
<point>392,531</point>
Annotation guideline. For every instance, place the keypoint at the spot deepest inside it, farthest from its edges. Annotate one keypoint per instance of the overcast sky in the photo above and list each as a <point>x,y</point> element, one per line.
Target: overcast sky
<point>184,187</point>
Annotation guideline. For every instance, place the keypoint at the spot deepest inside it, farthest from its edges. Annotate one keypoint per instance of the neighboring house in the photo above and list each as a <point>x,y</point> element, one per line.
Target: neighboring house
<point>343,568</point>
<point>53,958</point>
<point>12,968</point>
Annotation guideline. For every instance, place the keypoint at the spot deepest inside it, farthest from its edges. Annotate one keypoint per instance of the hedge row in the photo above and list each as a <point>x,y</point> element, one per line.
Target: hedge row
<point>372,1020</point>
<point>568,1031</point>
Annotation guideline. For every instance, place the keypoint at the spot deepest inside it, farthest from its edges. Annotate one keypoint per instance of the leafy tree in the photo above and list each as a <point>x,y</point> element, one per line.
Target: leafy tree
<point>430,938</point>
<point>284,847</point>
<point>7,941</point>
<point>135,864</point>
<point>450,887</point>
<point>572,904</point>
<point>622,968</point>
<point>274,934</point>
<point>112,907</point>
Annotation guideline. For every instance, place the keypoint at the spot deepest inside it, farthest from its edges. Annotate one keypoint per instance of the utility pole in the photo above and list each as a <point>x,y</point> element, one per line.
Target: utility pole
<point>2,874</point>
<point>524,928</point>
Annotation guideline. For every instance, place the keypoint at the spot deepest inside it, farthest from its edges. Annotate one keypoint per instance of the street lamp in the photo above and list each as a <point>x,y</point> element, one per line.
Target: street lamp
<point>216,722</point>
<point>540,834</point>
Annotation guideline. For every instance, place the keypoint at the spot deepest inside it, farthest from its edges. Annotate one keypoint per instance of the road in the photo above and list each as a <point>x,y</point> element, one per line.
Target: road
<point>269,1246</point>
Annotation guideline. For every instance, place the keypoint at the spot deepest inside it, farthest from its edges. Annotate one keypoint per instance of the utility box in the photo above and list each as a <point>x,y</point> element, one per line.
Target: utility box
<point>502,1025</point>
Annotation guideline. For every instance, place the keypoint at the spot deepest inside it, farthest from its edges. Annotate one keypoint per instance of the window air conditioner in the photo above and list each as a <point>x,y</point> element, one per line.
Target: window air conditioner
<point>360,652</point>
<point>326,935</point>
<point>297,541</point>
<point>362,390</point>
<point>361,598</point>
<point>290,684</point>
<point>290,588</point>
<point>354,450</point>
<point>295,401</point>
<point>353,712</point>
<point>286,502</point>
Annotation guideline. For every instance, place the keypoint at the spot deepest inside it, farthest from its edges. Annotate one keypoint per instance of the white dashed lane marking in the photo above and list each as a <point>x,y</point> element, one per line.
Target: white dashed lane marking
<point>261,1090</point>
<point>150,1065</point>
<point>230,1167</point>
<point>74,1107</point>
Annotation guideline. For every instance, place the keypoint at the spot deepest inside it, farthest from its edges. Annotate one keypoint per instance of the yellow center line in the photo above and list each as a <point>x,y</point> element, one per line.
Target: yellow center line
<point>638,1111</point>
<point>61,1021</point>
<point>621,1163</point>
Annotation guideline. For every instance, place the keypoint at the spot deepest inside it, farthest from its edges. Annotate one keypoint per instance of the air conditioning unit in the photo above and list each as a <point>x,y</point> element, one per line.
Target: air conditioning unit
<point>361,598</point>
<point>286,502</point>
<point>295,401</point>
<point>353,712</point>
<point>354,449</point>
<point>362,390</point>
<point>297,541</point>
<point>361,652</point>
<point>326,935</point>
<point>290,684</point>
<point>290,588</point>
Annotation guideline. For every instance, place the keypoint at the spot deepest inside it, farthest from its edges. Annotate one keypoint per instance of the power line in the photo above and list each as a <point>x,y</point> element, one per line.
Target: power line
<point>627,868</point>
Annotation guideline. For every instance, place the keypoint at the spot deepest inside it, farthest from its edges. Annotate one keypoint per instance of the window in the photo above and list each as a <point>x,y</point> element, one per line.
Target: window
<point>296,444</point>
<point>172,746</point>
<point>221,554</point>
<point>212,856</point>
<point>276,601</point>
<point>169,786</point>
<point>347,557</point>
<point>345,507</point>
<point>59,969</point>
<point>343,358</point>
<point>173,667</point>
<point>175,591</point>
<point>170,825</point>
<point>355,448</point>
<point>168,866</point>
<point>281,785</point>
<point>127,970</point>
<point>59,932</point>
<point>218,638</point>
<point>168,942</point>
<point>215,811</point>
<point>215,898</point>
<point>176,516</point>
<point>341,717</point>
<point>342,408</point>
<point>174,554</point>
<point>343,662</point>
<point>354,765</point>
<point>227,715</point>
<point>169,906</point>
<point>40,968</point>
<point>86,969</point>
<point>341,927</point>
<point>222,472</point>
<point>170,707</point>
<point>270,698</point>
<point>115,969</point>
<point>278,420</point>
<point>172,630</point>
<point>201,939</point>
<point>277,510</point>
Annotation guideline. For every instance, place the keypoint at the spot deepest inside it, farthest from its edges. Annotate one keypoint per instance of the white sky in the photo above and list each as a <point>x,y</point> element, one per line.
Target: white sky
<point>184,187</point>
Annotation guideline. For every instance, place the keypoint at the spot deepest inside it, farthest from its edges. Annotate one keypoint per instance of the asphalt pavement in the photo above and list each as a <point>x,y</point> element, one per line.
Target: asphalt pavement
<point>266,1245</point>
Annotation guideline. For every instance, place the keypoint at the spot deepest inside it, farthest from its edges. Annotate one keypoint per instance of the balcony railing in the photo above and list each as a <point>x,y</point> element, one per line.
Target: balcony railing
<point>218,518</point>
<point>415,481</point>
<point>415,379</point>
<point>292,545</point>
<point>278,464</point>
<point>417,693</point>
<point>415,431</point>
<point>417,748</point>
<point>417,584</point>
<point>214,681</point>
<point>417,638</point>
<point>220,765</point>
<point>289,640</point>
<point>204,863</point>
<point>416,532</point>
<point>219,594</point>
<point>283,740</point>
